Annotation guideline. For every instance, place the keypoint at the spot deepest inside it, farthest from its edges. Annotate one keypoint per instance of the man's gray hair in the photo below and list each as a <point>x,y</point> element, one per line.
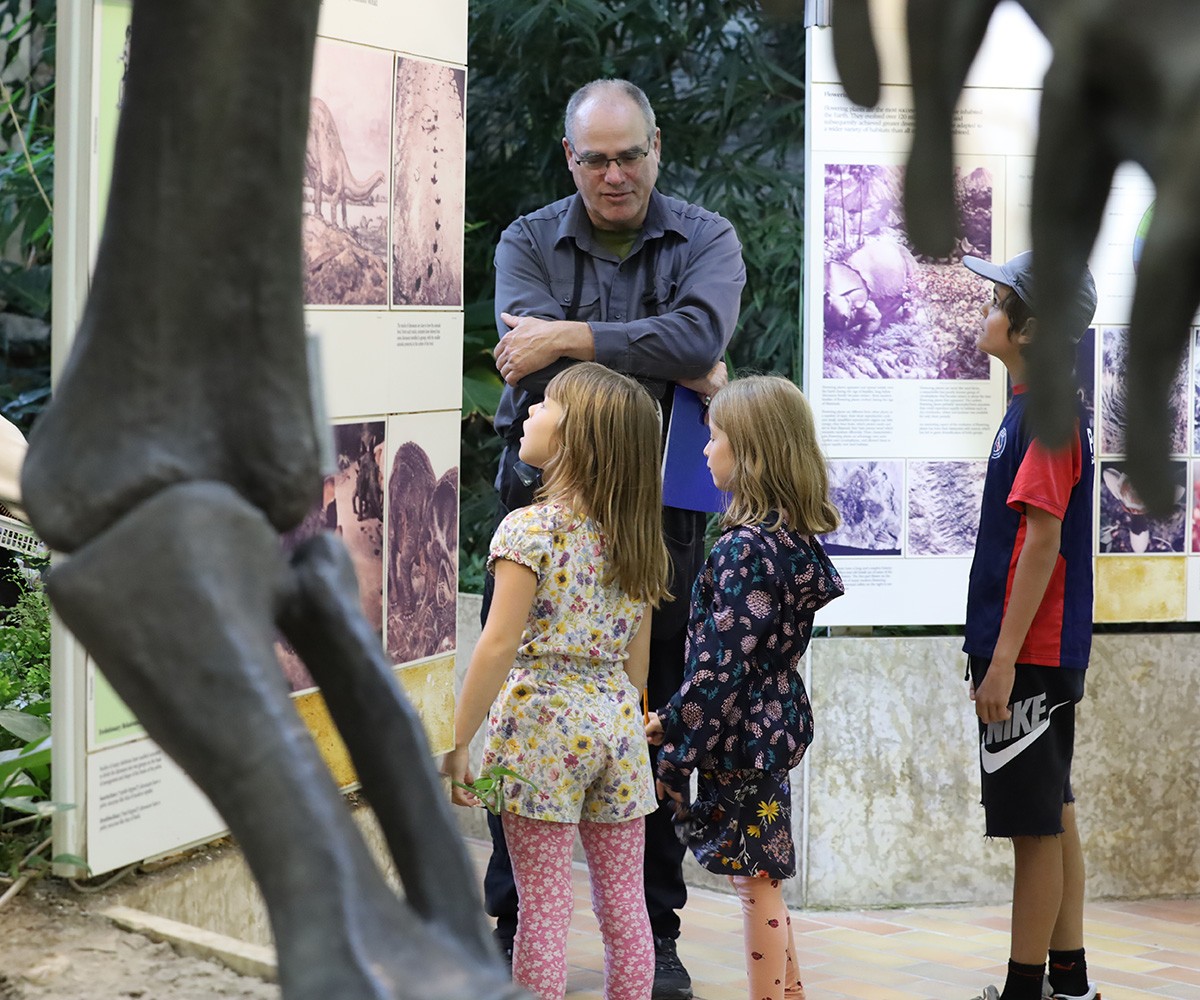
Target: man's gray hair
<point>604,87</point>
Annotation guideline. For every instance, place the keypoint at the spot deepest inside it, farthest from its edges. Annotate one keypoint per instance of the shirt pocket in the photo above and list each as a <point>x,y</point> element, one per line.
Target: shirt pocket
<point>659,297</point>
<point>588,306</point>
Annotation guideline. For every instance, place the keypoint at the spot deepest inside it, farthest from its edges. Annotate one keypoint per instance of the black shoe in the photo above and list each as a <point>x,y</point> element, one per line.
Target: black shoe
<point>506,949</point>
<point>671,979</point>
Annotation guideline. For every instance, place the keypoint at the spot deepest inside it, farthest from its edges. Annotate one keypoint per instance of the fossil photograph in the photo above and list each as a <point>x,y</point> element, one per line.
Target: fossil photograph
<point>351,507</point>
<point>1125,527</point>
<point>869,496</point>
<point>943,506</point>
<point>345,173</point>
<point>428,199</point>
<point>889,313</point>
<point>1114,344</point>
<point>422,507</point>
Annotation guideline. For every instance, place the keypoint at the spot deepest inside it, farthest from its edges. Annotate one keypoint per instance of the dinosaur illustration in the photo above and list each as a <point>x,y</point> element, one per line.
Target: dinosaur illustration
<point>326,169</point>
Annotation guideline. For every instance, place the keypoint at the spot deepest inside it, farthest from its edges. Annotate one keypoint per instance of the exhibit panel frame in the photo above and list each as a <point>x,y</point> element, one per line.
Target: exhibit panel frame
<point>384,194</point>
<point>906,404</point>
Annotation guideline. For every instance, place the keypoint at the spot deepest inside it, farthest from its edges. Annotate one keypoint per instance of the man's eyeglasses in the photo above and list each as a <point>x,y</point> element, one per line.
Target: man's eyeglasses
<point>598,163</point>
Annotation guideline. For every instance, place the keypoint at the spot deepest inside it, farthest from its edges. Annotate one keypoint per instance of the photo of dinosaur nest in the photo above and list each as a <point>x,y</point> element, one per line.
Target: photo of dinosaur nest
<point>422,555</point>
<point>345,172</point>
<point>428,201</point>
<point>351,507</point>
<point>887,312</point>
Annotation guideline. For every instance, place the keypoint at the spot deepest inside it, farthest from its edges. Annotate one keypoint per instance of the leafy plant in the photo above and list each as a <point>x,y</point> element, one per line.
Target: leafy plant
<point>27,52</point>
<point>25,646</point>
<point>488,786</point>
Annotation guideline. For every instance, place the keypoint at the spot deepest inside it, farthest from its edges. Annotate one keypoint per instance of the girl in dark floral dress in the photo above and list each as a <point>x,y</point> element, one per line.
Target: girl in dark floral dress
<point>742,718</point>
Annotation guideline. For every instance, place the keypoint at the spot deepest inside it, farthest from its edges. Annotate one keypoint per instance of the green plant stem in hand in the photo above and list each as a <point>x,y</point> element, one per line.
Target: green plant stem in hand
<point>488,786</point>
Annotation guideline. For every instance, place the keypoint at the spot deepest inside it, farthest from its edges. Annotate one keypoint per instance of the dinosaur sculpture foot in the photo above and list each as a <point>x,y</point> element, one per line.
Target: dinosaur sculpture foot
<point>385,738</point>
<point>176,602</point>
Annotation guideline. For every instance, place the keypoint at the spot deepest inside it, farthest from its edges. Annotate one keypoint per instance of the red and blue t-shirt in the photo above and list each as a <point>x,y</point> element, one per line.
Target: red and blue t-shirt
<point>1022,471</point>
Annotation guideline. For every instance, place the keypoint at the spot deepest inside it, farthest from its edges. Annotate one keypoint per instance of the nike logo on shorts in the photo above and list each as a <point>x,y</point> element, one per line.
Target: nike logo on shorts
<point>993,760</point>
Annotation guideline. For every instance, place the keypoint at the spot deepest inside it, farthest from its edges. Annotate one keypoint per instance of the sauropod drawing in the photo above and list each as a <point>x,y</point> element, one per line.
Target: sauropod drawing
<point>327,170</point>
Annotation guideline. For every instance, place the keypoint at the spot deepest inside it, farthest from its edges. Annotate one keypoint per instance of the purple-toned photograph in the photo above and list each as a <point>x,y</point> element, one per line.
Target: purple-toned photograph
<point>1196,392</point>
<point>423,570</point>
<point>944,497</point>
<point>429,180</point>
<point>1124,525</point>
<point>888,312</point>
<point>351,507</point>
<point>1196,507</point>
<point>1114,343</point>
<point>868,496</point>
<point>345,173</point>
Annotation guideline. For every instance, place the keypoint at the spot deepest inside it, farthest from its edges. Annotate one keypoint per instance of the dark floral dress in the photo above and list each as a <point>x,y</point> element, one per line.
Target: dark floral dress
<point>742,717</point>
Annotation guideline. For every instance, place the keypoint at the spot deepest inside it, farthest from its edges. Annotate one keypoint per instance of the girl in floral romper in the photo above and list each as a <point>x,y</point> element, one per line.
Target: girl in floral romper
<point>576,574</point>
<point>742,718</point>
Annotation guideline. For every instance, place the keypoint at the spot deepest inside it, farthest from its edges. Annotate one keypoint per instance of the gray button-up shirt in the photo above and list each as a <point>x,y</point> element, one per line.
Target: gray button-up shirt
<point>666,312</point>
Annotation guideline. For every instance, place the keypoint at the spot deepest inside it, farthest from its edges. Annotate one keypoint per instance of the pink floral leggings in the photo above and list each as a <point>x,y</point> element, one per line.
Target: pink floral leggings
<point>541,860</point>
<point>770,953</point>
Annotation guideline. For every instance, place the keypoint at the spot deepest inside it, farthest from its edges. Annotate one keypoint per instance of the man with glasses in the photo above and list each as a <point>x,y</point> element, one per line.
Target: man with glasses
<point>650,286</point>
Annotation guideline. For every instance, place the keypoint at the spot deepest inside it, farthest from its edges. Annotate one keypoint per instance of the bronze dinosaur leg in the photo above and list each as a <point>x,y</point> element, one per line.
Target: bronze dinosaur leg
<point>1072,174</point>
<point>393,761</point>
<point>191,653</point>
<point>180,442</point>
<point>1125,85</point>
<point>943,39</point>
<point>854,51</point>
<point>189,363</point>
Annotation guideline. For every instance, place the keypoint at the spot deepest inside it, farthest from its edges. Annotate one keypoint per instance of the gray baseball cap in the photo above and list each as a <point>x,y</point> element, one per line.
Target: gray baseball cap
<point>1017,273</point>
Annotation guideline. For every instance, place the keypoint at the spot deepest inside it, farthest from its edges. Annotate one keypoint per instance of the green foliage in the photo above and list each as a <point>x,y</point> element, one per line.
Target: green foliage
<point>25,806</point>
<point>25,647</point>
<point>27,52</point>
<point>488,786</point>
<point>727,86</point>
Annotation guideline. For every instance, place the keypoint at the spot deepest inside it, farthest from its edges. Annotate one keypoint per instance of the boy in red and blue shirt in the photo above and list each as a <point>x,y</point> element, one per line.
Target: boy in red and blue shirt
<point>1028,637</point>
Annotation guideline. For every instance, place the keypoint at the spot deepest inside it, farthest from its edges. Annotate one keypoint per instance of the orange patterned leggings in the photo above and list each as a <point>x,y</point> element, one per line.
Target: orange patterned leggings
<point>771,966</point>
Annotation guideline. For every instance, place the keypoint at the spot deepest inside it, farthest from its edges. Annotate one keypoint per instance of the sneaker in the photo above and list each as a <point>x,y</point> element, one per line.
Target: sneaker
<point>989,993</point>
<point>671,979</point>
<point>1091,994</point>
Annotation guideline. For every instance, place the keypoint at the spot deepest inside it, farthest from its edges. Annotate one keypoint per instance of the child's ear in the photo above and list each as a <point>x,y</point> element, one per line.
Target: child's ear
<point>1028,331</point>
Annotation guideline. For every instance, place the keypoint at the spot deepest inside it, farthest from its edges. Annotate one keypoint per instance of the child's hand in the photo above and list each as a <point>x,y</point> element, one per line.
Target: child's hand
<point>991,697</point>
<point>654,730</point>
<point>663,792</point>
<point>456,766</point>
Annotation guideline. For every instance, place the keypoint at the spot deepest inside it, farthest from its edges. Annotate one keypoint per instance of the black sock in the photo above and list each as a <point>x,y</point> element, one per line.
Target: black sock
<point>1068,972</point>
<point>1024,982</point>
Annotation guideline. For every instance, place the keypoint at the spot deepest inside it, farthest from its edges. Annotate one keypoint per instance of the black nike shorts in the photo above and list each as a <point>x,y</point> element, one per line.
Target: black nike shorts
<point>1025,762</point>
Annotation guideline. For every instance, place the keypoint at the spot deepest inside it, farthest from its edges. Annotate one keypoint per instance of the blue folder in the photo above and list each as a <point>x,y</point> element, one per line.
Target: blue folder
<point>686,479</point>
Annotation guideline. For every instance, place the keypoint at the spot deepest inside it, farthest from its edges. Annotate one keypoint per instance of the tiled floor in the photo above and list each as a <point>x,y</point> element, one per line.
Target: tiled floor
<point>1136,950</point>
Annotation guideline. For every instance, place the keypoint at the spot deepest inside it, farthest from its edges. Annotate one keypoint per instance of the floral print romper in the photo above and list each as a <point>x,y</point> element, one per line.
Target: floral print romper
<point>568,718</point>
<point>742,717</point>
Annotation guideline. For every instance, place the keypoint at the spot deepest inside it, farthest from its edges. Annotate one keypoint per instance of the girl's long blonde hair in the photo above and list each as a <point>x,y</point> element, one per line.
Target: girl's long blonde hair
<point>779,471</point>
<point>608,467</point>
